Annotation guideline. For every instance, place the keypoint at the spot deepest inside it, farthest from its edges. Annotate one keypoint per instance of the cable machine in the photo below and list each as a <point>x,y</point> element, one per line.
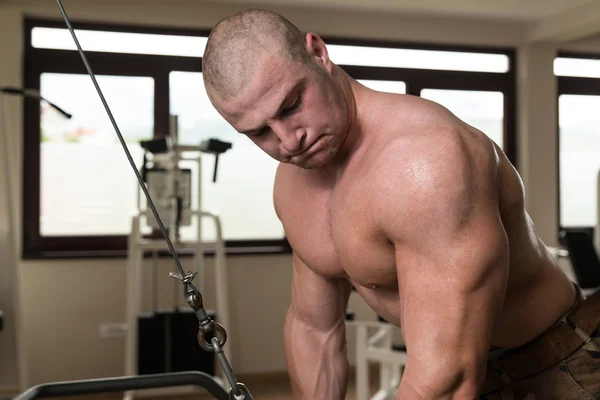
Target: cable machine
<point>165,340</point>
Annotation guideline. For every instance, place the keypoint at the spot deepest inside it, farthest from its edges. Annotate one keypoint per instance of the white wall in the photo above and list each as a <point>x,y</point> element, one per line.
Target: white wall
<point>64,301</point>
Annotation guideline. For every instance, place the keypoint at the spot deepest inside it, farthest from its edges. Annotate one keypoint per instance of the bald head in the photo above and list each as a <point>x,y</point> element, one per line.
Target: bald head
<point>238,42</point>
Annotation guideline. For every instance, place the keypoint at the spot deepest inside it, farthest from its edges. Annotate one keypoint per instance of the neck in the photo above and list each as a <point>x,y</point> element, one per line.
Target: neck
<point>355,132</point>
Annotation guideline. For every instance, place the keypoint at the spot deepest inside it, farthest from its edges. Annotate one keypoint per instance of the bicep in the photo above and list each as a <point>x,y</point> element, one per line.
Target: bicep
<point>452,291</point>
<point>452,287</point>
<point>317,300</point>
<point>452,267</point>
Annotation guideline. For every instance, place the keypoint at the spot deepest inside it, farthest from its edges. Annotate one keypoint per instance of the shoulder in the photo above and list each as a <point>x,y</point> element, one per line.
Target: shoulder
<point>291,189</point>
<point>436,172</point>
<point>431,142</point>
<point>282,187</point>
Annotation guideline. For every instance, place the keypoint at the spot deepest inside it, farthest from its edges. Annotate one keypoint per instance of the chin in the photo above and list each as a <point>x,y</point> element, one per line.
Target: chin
<point>310,165</point>
<point>317,161</point>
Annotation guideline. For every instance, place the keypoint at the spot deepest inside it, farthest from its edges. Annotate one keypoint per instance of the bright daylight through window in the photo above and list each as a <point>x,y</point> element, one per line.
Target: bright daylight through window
<point>86,189</point>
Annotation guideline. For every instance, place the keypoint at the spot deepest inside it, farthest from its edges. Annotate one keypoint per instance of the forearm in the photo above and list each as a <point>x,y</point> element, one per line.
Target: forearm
<point>316,360</point>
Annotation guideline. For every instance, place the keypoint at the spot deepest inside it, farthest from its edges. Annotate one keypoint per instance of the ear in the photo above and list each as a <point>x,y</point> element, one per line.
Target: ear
<point>318,50</point>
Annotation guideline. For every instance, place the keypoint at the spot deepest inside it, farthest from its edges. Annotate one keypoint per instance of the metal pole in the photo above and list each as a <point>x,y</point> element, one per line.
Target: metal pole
<point>108,385</point>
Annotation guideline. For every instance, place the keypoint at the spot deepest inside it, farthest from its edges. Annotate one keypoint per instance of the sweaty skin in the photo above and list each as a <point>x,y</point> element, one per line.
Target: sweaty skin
<point>420,212</point>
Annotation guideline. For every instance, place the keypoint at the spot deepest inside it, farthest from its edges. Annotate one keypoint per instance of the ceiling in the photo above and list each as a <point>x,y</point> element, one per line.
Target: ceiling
<point>519,10</point>
<point>516,10</point>
<point>558,20</point>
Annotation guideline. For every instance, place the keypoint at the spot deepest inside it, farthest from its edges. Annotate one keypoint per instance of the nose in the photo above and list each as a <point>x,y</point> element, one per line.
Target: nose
<point>292,140</point>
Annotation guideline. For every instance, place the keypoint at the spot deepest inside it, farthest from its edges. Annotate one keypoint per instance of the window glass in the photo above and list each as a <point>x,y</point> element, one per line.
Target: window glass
<point>579,159</point>
<point>482,110</point>
<point>243,193</point>
<point>421,59</point>
<point>385,86</point>
<point>577,67</point>
<point>119,42</point>
<point>87,185</point>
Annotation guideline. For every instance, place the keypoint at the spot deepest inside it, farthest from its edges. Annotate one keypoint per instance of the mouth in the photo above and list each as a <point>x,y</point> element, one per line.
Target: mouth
<point>305,150</point>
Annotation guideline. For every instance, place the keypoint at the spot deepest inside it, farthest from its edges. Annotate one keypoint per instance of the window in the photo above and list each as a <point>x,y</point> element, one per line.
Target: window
<point>119,42</point>
<point>254,217</point>
<point>385,86</point>
<point>577,67</point>
<point>417,59</point>
<point>476,86</point>
<point>480,109</point>
<point>579,141</point>
<point>80,193</point>
<point>84,190</point>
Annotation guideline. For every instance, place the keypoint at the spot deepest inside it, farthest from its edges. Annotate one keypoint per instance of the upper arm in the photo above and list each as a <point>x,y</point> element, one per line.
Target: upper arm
<point>277,190</point>
<point>318,301</point>
<point>452,260</point>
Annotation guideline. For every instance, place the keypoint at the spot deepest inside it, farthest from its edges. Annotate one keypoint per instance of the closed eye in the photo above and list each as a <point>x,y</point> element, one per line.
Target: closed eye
<point>262,131</point>
<point>284,112</point>
<point>294,106</point>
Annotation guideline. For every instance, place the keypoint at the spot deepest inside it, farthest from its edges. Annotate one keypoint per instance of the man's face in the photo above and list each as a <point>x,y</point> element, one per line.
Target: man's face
<point>296,113</point>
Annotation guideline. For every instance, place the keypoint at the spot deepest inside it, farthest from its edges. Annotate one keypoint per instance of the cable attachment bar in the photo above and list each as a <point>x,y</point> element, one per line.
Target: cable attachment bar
<point>238,390</point>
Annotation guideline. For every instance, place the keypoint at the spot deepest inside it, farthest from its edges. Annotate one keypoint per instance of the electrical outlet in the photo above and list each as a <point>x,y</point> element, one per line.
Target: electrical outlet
<point>113,329</point>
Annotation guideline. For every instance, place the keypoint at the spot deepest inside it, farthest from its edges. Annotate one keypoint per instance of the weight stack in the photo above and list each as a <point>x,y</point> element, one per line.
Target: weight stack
<point>168,342</point>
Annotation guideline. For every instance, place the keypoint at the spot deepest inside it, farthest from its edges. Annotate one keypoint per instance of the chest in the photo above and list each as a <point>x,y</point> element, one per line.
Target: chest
<point>336,234</point>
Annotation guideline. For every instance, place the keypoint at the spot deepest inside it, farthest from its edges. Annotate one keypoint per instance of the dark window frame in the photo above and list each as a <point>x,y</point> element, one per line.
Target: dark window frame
<point>38,61</point>
<point>575,86</point>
